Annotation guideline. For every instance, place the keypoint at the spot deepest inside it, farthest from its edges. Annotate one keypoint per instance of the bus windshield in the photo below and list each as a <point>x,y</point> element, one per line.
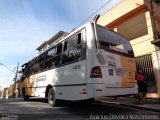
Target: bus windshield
<point>110,40</point>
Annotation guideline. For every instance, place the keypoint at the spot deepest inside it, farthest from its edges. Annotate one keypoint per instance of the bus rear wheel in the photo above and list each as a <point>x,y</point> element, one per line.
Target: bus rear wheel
<point>51,98</point>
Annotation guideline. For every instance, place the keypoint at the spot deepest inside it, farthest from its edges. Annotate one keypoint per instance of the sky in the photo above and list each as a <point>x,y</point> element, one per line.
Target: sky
<point>25,24</point>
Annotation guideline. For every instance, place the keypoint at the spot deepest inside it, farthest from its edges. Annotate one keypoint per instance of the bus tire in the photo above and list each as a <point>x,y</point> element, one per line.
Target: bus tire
<point>51,98</point>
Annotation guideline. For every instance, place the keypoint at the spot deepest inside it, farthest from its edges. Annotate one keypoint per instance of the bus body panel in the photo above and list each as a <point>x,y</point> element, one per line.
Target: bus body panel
<point>68,81</point>
<point>42,80</point>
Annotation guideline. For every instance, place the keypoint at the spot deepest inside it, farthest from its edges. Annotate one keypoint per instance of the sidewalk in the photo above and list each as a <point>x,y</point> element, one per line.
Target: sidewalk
<point>149,104</point>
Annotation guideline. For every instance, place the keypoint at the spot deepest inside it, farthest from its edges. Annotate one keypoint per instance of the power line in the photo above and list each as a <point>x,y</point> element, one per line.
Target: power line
<point>7,68</point>
<point>90,17</point>
<point>100,8</point>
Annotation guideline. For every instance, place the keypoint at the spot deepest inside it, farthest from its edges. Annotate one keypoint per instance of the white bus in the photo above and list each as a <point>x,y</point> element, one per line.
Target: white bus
<point>92,61</point>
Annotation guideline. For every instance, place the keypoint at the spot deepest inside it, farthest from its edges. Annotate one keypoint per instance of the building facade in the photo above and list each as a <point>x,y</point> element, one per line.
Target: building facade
<point>138,21</point>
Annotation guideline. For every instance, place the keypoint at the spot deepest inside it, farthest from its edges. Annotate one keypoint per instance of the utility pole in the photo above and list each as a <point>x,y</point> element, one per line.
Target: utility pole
<point>15,87</point>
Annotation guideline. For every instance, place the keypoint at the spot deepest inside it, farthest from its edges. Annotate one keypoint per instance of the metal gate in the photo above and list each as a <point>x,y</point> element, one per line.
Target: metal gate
<point>145,64</point>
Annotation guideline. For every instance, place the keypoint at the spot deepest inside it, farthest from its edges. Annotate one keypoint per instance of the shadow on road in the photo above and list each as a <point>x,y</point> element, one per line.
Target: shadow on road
<point>62,103</point>
<point>36,108</point>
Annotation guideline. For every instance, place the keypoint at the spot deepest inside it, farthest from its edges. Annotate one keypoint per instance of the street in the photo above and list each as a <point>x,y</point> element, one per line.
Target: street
<point>37,109</point>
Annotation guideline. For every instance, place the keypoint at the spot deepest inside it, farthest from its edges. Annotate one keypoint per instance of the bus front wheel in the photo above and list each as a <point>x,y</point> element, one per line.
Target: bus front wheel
<point>51,98</point>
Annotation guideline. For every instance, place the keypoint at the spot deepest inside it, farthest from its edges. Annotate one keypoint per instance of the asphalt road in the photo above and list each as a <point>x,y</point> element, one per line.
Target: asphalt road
<point>37,109</point>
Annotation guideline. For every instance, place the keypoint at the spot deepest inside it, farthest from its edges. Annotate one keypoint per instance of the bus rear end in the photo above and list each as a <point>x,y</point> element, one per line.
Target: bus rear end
<point>113,70</point>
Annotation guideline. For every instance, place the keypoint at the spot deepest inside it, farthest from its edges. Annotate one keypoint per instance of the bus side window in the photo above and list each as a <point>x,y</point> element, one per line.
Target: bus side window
<point>79,38</point>
<point>84,44</point>
<point>42,58</point>
<point>59,49</point>
<point>65,46</point>
<point>65,53</point>
<point>57,58</point>
<point>27,69</point>
<point>72,49</point>
<point>31,66</point>
<point>42,61</point>
<point>49,58</point>
<point>36,67</point>
<point>78,48</point>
